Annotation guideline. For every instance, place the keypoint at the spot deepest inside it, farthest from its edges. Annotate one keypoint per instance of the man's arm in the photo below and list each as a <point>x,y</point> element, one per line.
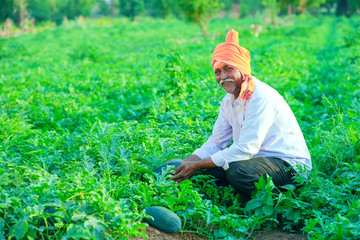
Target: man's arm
<point>220,138</point>
<point>190,158</point>
<point>260,115</point>
<point>190,167</point>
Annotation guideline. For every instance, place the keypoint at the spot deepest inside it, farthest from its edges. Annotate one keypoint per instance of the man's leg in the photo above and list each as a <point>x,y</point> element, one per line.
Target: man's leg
<point>219,174</point>
<point>242,175</point>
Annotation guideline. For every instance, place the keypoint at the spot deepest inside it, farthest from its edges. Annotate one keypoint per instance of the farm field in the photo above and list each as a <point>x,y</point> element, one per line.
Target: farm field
<point>88,111</point>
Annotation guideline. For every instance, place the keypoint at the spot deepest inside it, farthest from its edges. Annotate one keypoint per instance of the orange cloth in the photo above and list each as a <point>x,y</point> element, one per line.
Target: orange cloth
<point>231,53</point>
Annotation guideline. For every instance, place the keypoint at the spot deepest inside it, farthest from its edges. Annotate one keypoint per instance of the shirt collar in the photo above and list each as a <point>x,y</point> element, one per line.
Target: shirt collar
<point>237,101</point>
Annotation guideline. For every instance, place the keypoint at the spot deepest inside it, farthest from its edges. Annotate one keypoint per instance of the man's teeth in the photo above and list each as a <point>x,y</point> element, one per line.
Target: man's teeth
<point>226,80</point>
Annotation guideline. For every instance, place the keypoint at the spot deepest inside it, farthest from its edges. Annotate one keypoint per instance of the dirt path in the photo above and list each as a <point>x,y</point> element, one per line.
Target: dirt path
<point>155,234</point>
<point>276,235</point>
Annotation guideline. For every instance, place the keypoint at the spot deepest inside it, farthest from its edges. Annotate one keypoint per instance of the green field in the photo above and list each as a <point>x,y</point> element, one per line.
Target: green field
<point>87,111</point>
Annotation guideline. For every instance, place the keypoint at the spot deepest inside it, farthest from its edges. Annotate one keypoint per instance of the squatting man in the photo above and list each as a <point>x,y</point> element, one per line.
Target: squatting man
<point>267,140</point>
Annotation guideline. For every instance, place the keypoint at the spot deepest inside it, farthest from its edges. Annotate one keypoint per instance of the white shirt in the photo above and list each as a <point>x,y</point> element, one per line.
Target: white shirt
<point>263,126</point>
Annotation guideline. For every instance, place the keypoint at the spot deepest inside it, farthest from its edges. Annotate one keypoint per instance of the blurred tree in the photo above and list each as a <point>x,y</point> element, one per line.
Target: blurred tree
<point>354,6</point>
<point>346,7</point>
<point>75,8</point>
<point>57,10</point>
<point>162,8</point>
<point>6,10</point>
<point>60,11</point>
<point>272,7</point>
<point>226,5</point>
<point>303,4</point>
<point>342,7</point>
<point>131,8</point>
<point>112,10</point>
<point>165,7</point>
<point>103,8</point>
<point>41,10</point>
<point>200,11</point>
<point>250,7</point>
<point>20,9</point>
<point>289,5</point>
<point>233,8</point>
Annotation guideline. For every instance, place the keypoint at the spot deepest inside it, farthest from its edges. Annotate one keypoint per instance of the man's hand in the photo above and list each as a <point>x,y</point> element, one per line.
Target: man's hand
<point>185,171</point>
<point>189,168</point>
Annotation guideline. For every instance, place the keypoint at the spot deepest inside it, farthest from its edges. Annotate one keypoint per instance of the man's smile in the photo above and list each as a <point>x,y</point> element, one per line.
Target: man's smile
<point>226,80</point>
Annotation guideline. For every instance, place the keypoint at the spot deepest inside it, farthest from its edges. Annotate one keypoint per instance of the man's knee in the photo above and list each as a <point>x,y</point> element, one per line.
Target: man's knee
<point>242,175</point>
<point>241,178</point>
<point>242,169</point>
<point>235,171</point>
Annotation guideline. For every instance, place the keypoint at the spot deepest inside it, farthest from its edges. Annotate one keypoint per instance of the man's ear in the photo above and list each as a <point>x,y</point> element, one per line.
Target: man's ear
<point>242,76</point>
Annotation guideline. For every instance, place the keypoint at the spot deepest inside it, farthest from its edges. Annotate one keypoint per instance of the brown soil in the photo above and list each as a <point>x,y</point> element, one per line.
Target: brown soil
<point>155,234</point>
<point>276,235</point>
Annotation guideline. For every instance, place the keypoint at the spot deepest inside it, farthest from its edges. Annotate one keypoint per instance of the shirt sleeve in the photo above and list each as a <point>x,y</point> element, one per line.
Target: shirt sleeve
<point>260,114</point>
<point>220,138</point>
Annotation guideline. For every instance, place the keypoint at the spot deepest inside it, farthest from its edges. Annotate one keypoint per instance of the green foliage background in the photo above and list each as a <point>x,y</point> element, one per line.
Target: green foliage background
<point>87,112</point>
<point>43,11</point>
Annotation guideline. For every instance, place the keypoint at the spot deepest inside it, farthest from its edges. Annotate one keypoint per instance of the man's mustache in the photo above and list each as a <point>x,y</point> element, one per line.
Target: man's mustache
<point>226,80</point>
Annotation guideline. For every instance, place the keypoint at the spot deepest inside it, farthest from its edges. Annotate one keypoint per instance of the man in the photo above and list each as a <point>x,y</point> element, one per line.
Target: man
<point>267,139</point>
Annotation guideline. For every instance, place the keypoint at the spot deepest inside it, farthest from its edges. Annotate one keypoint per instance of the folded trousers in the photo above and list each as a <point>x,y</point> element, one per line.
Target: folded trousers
<point>242,175</point>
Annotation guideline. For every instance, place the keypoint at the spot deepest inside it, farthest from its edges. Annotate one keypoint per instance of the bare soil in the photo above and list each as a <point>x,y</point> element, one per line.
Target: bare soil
<point>155,234</point>
<point>276,235</point>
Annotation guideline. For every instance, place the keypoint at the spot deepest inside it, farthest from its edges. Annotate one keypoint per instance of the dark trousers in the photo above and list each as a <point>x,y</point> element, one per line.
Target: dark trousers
<point>242,175</point>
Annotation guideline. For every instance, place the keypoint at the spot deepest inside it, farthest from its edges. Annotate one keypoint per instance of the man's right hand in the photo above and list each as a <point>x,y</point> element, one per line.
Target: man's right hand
<point>189,168</point>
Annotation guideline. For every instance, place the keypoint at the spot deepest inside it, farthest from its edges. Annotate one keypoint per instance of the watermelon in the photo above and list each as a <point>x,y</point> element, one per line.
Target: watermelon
<point>163,167</point>
<point>163,219</point>
<point>51,219</point>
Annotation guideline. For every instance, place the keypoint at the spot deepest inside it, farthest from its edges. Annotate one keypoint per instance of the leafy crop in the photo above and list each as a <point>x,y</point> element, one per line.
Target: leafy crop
<point>87,112</point>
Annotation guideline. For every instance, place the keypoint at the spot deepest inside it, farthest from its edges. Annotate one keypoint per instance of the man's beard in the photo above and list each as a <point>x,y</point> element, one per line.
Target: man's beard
<point>229,85</point>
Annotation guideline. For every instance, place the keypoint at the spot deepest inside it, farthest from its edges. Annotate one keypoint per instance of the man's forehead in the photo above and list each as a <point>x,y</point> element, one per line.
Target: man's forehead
<point>220,65</point>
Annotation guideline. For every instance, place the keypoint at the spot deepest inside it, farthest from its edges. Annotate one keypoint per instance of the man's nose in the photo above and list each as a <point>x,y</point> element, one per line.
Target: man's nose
<point>223,75</point>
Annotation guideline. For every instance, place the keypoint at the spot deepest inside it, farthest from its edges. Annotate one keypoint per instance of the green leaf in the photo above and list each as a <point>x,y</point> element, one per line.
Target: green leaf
<point>267,210</point>
<point>98,235</point>
<point>289,187</point>
<point>2,223</point>
<point>220,233</point>
<point>95,223</point>
<point>78,215</point>
<point>252,204</point>
<point>20,229</point>
<point>75,231</point>
<point>5,179</point>
<point>269,201</point>
<point>3,205</point>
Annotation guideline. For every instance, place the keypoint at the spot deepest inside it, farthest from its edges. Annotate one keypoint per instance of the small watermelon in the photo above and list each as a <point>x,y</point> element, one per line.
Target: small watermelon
<point>51,219</point>
<point>163,219</point>
<point>160,169</point>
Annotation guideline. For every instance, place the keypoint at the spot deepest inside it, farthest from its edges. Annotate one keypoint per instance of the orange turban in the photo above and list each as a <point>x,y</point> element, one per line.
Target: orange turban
<point>230,52</point>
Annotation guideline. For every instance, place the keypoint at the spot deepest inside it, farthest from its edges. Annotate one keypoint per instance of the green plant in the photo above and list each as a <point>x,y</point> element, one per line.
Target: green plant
<point>86,114</point>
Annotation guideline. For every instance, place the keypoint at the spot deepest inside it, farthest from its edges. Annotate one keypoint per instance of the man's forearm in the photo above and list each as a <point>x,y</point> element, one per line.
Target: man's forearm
<point>205,163</point>
<point>201,163</point>
<point>192,157</point>
<point>189,168</point>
